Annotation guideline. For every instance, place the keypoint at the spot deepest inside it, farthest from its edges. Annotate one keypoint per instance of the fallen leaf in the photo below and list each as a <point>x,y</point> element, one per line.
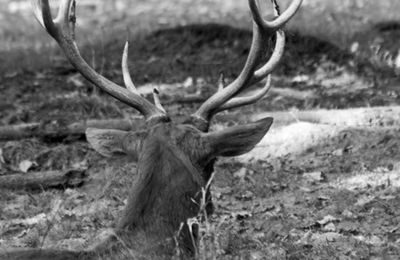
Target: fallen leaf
<point>240,174</point>
<point>325,237</point>
<point>387,197</point>
<point>257,255</point>
<point>372,240</point>
<point>76,80</point>
<point>347,213</point>
<point>329,227</point>
<point>188,82</point>
<point>323,197</point>
<point>305,239</point>
<point>364,200</point>
<point>264,208</point>
<point>301,78</point>
<point>348,226</point>
<point>327,219</point>
<point>26,165</point>
<point>239,215</point>
<point>305,189</point>
<point>247,195</point>
<point>80,165</point>
<point>337,152</point>
<point>354,47</point>
<point>314,177</point>
<point>1,157</point>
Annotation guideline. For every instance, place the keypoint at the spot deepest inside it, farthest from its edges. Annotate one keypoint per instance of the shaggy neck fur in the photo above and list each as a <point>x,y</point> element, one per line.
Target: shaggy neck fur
<point>165,195</point>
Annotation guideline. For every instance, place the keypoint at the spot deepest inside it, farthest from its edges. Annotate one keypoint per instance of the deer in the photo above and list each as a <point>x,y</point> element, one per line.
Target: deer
<point>175,162</point>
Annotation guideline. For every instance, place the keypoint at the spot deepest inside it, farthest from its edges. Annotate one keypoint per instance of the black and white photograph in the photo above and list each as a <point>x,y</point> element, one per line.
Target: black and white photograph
<point>199,129</point>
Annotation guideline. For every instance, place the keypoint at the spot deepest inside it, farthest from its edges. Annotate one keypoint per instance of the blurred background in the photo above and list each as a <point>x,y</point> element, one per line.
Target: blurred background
<point>342,53</point>
<point>364,27</point>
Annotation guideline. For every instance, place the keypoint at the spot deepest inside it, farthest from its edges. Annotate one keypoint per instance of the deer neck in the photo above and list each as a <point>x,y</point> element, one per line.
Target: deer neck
<point>166,194</point>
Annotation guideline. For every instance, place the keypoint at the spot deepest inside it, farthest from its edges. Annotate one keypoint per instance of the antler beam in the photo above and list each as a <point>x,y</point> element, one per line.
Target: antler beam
<point>62,29</point>
<point>250,74</point>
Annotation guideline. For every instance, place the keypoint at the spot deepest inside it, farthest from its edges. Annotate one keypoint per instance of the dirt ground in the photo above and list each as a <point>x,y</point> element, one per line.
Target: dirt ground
<point>338,197</point>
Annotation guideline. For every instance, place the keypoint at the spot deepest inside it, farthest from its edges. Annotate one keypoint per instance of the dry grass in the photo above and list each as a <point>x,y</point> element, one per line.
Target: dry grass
<point>24,42</point>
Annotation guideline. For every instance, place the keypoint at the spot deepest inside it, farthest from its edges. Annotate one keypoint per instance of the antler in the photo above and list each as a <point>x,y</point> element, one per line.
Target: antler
<point>62,29</point>
<point>262,30</point>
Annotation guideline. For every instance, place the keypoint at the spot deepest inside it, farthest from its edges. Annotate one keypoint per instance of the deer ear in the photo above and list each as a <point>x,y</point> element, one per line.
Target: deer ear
<point>237,140</point>
<point>107,142</point>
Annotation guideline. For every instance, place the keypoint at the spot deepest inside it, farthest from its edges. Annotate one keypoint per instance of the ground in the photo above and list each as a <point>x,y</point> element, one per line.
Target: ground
<point>335,195</point>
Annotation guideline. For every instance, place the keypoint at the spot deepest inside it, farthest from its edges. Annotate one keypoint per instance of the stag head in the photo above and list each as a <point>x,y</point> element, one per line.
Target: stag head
<point>175,161</point>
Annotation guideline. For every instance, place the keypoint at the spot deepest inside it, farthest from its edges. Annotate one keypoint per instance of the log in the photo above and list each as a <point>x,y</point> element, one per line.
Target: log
<point>57,131</point>
<point>352,117</point>
<point>44,180</point>
<point>365,116</point>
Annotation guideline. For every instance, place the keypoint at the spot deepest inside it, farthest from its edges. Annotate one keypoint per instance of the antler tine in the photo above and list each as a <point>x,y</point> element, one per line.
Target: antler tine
<point>157,101</point>
<point>203,115</point>
<point>62,30</point>
<point>129,83</point>
<point>64,13</point>
<point>242,101</point>
<point>273,61</point>
<point>42,12</point>
<point>260,74</point>
<point>37,11</point>
<point>280,21</point>
<point>125,71</point>
<point>250,75</point>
